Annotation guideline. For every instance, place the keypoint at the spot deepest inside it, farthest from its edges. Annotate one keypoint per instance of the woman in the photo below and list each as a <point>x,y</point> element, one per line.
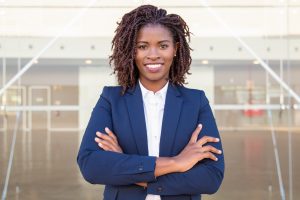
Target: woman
<point>142,140</point>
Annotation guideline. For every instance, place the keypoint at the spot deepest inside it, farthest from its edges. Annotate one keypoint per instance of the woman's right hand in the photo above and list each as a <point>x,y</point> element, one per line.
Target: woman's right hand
<point>108,142</point>
<point>195,151</point>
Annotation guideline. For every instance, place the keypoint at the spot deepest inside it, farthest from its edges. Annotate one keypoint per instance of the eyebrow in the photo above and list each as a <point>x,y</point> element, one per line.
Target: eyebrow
<point>158,42</point>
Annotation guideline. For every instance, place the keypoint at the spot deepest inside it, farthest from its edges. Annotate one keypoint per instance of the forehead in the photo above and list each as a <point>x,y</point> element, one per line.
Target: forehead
<point>154,31</point>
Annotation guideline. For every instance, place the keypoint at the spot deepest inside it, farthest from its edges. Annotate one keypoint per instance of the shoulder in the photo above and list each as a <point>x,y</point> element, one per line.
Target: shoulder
<point>191,91</point>
<point>193,95</point>
<point>109,92</point>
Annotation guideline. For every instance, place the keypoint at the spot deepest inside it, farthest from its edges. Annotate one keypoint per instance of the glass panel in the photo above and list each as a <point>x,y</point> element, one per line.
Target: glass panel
<point>57,93</point>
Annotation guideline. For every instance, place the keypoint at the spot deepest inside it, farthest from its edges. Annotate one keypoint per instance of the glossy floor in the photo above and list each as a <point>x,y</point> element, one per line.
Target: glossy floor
<point>44,166</point>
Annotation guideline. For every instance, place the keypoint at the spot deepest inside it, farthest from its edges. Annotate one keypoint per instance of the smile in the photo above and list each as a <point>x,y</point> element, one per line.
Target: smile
<point>153,66</point>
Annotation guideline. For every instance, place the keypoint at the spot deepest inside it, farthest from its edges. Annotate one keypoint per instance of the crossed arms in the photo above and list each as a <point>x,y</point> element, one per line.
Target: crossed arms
<point>195,170</point>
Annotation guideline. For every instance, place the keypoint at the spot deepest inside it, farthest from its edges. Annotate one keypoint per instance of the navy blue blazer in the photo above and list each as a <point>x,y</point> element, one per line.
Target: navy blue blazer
<point>124,115</point>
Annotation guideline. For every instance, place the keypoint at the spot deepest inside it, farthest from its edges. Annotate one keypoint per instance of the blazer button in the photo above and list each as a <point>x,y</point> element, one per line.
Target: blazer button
<point>140,168</point>
<point>159,189</point>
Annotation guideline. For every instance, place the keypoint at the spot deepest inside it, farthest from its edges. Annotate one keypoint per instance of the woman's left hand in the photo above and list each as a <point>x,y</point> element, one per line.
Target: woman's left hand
<point>108,142</point>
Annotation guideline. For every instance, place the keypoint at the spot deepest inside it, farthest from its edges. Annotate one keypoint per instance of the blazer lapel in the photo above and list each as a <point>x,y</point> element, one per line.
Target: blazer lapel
<point>171,116</point>
<point>135,107</point>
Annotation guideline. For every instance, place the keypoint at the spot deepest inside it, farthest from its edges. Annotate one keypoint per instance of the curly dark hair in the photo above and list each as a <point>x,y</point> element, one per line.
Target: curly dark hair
<point>124,44</point>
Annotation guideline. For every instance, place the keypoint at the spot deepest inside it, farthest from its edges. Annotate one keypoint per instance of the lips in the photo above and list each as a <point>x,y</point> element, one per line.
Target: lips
<point>154,67</point>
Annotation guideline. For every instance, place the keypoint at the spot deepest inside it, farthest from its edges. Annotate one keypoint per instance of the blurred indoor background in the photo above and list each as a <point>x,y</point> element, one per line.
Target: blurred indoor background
<point>54,63</point>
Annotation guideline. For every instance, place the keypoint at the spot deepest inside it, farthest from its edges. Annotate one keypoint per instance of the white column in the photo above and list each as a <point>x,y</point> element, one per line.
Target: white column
<point>91,82</point>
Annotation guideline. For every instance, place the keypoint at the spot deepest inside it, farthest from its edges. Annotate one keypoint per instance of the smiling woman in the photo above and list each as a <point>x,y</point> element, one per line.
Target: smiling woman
<point>143,139</point>
<point>130,30</point>
<point>154,55</point>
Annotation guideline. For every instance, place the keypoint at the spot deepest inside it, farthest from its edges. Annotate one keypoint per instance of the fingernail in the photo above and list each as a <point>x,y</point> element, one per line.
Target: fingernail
<point>217,139</point>
<point>216,159</point>
<point>200,125</point>
<point>220,151</point>
<point>98,133</point>
<point>100,145</point>
<point>106,129</point>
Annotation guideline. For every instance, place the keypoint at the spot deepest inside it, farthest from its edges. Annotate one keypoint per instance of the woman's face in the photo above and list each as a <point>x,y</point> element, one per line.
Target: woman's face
<point>154,55</point>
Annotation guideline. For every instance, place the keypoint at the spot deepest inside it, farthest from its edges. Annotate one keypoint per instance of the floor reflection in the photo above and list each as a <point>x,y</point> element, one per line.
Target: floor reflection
<point>45,166</point>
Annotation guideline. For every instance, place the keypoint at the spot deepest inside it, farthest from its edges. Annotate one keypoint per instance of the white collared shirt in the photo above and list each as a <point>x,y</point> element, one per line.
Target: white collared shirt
<point>154,104</point>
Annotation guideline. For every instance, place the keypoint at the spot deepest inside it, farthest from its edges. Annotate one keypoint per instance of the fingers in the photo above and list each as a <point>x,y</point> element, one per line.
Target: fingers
<point>203,140</point>
<point>98,141</point>
<point>195,134</point>
<point>209,155</point>
<point>108,137</point>
<point>211,149</point>
<point>108,141</point>
<point>106,145</point>
<point>111,134</point>
<point>144,184</point>
<point>207,139</point>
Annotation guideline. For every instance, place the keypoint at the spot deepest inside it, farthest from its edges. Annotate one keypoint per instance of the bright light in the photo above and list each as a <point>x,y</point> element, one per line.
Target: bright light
<point>204,62</point>
<point>88,62</point>
<point>256,62</point>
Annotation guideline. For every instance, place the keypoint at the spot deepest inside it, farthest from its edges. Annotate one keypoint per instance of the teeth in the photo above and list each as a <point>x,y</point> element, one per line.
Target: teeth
<point>153,66</point>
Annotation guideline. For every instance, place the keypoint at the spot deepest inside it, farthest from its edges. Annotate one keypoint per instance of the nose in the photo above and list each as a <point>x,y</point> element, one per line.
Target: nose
<point>153,54</point>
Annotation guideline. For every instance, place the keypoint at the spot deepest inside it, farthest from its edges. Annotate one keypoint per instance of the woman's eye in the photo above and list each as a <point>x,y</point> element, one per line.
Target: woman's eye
<point>163,46</point>
<point>142,47</point>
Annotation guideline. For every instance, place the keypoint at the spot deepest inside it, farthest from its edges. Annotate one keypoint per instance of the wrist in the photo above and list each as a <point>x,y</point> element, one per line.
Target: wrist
<point>176,164</point>
<point>165,165</point>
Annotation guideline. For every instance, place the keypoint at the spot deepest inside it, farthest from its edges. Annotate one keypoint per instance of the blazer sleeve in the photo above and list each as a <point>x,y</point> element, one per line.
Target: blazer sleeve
<point>104,167</point>
<point>206,176</point>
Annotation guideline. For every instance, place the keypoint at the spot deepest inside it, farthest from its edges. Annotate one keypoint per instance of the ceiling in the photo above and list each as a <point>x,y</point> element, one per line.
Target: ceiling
<point>248,18</point>
<point>66,3</point>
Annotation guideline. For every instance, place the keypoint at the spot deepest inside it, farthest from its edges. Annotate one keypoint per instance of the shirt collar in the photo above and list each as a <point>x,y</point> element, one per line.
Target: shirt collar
<point>162,92</point>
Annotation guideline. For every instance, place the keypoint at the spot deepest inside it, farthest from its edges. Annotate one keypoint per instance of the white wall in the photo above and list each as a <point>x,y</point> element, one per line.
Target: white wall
<point>202,78</point>
<point>91,82</point>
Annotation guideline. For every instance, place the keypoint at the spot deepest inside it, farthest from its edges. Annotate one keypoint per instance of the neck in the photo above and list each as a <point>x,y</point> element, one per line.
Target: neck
<point>154,87</point>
